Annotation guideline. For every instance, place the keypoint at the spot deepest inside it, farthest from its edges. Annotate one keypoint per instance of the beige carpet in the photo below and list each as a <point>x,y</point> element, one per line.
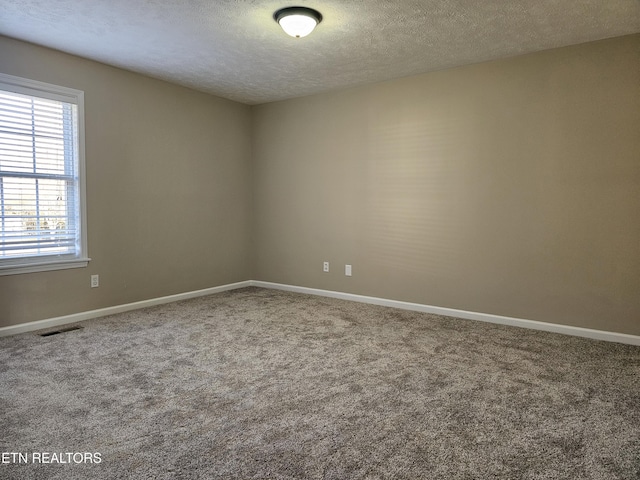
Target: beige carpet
<point>259,383</point>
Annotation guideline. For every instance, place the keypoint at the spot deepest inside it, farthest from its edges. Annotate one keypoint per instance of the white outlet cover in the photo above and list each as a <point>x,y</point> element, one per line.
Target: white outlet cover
<point>347,270</point>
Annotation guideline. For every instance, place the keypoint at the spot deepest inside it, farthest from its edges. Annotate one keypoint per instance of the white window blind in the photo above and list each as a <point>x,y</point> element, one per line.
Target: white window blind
<point>41,177</point>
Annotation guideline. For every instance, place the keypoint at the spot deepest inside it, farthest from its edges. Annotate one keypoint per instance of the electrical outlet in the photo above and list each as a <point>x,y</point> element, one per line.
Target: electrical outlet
<point>325,267</point>
<point>95,281</point>
<point>347,270</point>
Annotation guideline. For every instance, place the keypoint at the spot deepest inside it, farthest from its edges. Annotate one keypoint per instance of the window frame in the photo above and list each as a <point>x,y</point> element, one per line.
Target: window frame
<point>79,259</point>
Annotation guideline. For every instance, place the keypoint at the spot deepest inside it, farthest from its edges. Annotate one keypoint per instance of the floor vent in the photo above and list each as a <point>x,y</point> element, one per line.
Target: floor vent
<point>62,330</point>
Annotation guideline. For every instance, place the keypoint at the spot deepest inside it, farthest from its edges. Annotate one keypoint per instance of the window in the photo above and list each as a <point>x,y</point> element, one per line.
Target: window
<point>42,212</point>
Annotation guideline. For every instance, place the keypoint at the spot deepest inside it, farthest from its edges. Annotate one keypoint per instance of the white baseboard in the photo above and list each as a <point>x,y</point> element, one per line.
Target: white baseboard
<point>103,312</point>
<point>450,312</point>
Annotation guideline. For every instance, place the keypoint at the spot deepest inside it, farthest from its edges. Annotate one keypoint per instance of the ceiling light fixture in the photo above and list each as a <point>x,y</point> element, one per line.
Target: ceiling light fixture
<point>297,21</point>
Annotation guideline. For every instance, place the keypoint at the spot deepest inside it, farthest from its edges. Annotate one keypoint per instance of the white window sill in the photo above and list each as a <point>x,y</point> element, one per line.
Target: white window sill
<point>34,267</point>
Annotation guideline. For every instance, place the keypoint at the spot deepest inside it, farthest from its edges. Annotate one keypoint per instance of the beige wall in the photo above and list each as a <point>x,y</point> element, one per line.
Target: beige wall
<point>167,190</point>
<point>510,188</point>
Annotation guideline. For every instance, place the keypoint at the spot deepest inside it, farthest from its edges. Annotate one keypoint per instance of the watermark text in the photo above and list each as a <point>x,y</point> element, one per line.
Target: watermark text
<point>50,457</point>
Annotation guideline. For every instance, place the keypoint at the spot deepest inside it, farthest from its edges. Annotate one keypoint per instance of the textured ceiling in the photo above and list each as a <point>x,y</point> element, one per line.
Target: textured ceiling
<point>234,48</point>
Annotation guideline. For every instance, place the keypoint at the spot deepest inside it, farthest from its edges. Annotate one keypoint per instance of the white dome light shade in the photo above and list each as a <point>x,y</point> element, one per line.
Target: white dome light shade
<point>298,25</point>
<point>298,21</point>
